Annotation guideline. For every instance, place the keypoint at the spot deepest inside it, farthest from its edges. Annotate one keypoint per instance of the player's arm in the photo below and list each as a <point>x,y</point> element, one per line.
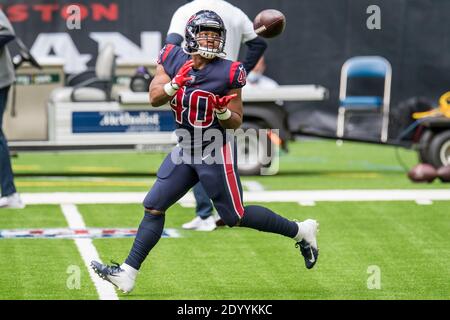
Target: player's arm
<point>229,109</point>
<point>157,95</point>
<point>174,38</point>
<point>162,88</point>
<point>6,30</point>
<point>255,50</point>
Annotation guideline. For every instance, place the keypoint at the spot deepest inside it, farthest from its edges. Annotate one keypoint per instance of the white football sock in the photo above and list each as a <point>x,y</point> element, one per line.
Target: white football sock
<point>299,235</point>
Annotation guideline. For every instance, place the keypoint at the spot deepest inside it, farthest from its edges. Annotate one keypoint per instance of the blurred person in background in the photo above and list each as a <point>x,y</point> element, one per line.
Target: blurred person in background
<point>257,79</point>
<point>239,30</point>
<point>10,198</point>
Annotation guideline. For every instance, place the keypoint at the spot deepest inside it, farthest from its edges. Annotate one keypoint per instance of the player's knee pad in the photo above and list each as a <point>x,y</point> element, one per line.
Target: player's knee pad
<point>154,200</point>
<point>153,211</point>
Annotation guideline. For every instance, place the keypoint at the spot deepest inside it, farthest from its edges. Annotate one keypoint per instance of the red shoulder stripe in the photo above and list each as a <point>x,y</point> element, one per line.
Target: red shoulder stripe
<point>234,67</point>
<point>169,48</point>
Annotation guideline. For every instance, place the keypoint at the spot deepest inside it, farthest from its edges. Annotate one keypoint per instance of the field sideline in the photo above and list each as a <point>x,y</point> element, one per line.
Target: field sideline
<point>405,238</point>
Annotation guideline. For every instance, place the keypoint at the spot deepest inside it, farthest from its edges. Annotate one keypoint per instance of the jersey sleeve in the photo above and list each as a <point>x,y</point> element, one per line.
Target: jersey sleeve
<point>166,59</point>
<point>237,75</point>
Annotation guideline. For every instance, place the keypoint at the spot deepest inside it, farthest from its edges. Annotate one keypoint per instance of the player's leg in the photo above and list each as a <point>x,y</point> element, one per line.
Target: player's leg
<point>223,185</point>
<point>204,220</point>
<point>174,180</point>
<point>10,198</point>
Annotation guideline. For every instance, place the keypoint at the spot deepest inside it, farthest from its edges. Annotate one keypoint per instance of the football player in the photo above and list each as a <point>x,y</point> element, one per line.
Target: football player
<point>204,91</point>
<point>239,31</point>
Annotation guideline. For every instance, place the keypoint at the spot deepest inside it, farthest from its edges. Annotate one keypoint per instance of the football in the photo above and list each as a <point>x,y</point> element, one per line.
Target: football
<point>422,172</point>
<point>444,173</point>
<point>269,23</point>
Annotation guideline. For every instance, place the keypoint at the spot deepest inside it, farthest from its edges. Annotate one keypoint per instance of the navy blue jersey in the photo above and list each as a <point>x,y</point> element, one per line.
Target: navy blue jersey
<point>191,104</point>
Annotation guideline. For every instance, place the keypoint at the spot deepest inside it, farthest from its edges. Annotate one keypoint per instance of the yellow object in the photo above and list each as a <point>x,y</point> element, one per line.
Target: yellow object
<point>442,110</point>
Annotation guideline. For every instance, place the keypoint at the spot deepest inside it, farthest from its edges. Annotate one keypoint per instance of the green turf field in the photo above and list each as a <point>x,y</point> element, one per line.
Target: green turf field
<point>407,243</point>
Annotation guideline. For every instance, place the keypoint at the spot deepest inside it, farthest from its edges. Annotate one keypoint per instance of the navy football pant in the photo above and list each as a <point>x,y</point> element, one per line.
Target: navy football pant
<point>220,180</point>
<point>222,184</point>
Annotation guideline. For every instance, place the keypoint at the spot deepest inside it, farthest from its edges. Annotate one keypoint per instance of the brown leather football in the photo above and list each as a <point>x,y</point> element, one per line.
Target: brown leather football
<point>422,172</point>
<point>269,23</point>
<point>444,173</point>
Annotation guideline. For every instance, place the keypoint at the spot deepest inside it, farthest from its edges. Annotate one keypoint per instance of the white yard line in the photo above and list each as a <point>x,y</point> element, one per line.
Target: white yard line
<point>88,252</point>
<point>188,204</point>
<point>307,203</point>
<point>254,196</point>
<point>424,202</point>
<point>83,197</point>
<point>252,185</point>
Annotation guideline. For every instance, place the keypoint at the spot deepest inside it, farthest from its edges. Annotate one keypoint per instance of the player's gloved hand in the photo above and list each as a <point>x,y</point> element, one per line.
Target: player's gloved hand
<point>220,106</point>
<point>180,79</point>
<point>182,76</point>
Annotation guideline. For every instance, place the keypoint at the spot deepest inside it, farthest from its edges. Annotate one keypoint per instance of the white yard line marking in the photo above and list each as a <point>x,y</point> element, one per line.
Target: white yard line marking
<point>88,252</point>
<point>188,204</point>
<point>252,185</point>
<point>73,216</point>
<point>254,196</point>
<point>307,203</point>
<point>83,197</point>
<point>424,202</point>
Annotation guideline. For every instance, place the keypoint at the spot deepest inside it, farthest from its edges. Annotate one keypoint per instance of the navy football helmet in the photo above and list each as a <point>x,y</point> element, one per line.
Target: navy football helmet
<point>205,20</point>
